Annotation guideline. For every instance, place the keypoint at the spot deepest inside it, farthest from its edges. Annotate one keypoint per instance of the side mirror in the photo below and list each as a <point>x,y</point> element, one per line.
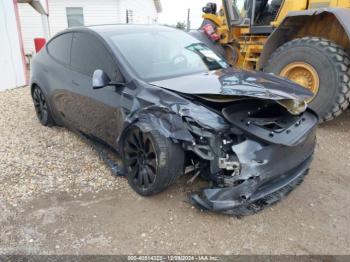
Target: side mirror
<point>100,79</point>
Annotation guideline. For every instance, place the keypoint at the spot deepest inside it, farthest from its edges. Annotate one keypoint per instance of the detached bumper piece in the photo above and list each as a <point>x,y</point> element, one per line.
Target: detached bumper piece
<point>106,154</point>
<point>232,200</point>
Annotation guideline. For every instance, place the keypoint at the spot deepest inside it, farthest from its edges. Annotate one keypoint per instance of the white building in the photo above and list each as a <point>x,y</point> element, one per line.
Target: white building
<point>23,20</point>
<point>67,13</point>
<point>12,60</point>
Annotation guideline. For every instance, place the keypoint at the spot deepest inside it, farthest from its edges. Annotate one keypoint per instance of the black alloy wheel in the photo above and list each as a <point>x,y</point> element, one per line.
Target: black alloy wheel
<point>141,159</point>
<point>151,160</point>
<point>41,107</point>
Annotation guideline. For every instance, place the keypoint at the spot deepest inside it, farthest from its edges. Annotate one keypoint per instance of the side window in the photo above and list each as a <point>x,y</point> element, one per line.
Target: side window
<point>75,16</point>
<point>89,54</point>
<point>59,47</point>
<point>129,16</point>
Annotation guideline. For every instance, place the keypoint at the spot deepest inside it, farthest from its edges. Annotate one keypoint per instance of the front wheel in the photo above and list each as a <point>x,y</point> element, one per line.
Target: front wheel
<point>320,66</point>
<point>152,161</point>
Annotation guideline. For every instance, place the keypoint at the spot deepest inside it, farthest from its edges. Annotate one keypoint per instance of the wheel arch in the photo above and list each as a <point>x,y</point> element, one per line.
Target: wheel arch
<point>156,118</point>
<point>329,23</point>
<point>36,84</point>
<point>127,126</point>
<point>32,85</point>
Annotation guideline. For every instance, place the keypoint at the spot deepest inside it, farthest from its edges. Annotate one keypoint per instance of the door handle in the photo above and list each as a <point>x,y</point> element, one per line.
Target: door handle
<point>75,83</point>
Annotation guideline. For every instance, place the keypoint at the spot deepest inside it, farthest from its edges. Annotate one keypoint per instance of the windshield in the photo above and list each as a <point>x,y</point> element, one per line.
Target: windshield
<point>158,54</point>
<point>242,7</point>
<point>261,12</point>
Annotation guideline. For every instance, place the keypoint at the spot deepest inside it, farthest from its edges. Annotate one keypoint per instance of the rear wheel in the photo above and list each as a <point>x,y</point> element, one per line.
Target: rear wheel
<point>152,161</point>
<point>319,65</point>
<point>41,106</point>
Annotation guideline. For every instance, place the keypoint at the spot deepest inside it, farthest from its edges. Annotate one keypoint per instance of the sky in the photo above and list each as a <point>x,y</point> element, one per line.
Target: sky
<point>176,11</point>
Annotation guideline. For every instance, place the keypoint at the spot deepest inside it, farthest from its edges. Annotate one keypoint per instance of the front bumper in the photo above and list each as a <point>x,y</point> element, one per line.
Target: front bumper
<point>229,200</point>
<point>268,173</point>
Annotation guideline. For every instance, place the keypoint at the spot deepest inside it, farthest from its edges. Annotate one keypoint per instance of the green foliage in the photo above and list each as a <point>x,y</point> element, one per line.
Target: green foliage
<point>181,25</point>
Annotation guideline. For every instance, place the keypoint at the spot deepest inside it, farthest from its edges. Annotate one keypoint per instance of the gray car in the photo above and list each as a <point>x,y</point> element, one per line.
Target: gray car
<point>170,106</point>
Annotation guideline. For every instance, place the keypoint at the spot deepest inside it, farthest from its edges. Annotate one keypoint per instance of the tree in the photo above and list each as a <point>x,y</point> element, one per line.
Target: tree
<point>181,25</point>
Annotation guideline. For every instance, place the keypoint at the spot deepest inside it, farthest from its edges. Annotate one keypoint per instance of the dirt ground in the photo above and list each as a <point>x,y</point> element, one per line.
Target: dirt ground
<point>58,197</point>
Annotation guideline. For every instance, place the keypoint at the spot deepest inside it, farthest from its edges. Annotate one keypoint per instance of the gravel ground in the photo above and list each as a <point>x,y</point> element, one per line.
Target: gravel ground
<point>58,197</point>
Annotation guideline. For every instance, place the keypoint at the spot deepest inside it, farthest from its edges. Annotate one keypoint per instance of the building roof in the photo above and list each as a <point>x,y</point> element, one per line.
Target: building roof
<point>158,5</point>
<point>38,5</point>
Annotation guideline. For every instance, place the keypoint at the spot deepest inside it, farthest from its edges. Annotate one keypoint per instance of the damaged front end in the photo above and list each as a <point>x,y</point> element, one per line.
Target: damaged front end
<point>249,134</point>
<point>255,160</point>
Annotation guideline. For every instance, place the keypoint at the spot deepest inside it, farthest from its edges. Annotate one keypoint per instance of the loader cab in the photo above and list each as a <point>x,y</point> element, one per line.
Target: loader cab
<point>255,15</point>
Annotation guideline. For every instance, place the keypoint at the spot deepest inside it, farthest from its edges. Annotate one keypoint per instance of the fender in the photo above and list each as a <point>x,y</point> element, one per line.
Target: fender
<point>295,21</point>
<point>159,118</point>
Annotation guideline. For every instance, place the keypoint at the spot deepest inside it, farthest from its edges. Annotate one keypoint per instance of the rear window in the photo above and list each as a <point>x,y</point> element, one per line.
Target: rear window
<point>59,48</point>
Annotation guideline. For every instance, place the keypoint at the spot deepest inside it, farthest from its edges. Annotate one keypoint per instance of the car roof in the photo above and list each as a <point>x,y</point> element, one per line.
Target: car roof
<point>112,29</point>
<point>108,30</point>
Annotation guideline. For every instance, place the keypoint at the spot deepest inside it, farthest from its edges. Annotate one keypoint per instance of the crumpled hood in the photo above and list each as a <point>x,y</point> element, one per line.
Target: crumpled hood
<point>236,82</point>
<point>232,82</point>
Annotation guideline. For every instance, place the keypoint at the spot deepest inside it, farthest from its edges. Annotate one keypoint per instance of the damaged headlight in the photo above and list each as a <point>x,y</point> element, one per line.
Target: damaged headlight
<point>203,117</point>
<point>211,145</point>
<point>201,135</point>
<point>212,141</point>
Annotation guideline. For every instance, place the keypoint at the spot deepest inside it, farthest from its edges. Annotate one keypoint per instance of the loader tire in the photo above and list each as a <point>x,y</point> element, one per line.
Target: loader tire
<point>329,61</point>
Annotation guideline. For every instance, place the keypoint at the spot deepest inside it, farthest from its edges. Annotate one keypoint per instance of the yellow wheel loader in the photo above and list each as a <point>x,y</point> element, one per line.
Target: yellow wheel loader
<point>307,41</point>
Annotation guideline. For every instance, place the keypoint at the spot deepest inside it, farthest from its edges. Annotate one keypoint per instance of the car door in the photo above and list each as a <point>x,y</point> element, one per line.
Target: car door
<point>55,70</point>
<point>96,112</point>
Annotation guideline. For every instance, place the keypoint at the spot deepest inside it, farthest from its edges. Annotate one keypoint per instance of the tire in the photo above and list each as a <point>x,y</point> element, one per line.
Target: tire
<point>42,107</point>
<point>152,162</point>
<point>330,61</point>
